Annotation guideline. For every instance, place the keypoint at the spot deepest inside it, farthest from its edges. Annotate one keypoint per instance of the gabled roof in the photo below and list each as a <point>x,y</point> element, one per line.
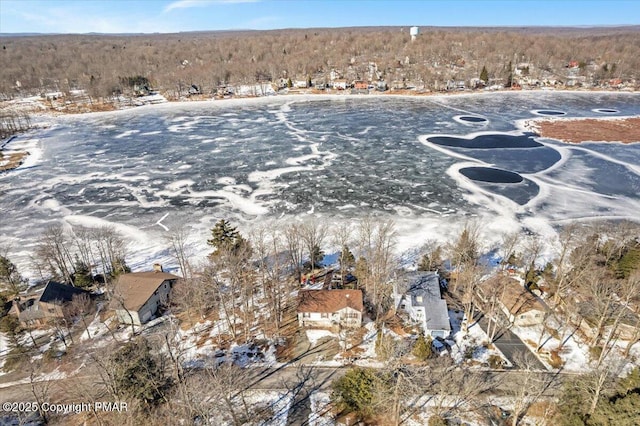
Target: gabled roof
<point>425,292</point>
<point>55,291</point>
<point>519,300</point>
<point>329,301</point>
<point>134,289</point>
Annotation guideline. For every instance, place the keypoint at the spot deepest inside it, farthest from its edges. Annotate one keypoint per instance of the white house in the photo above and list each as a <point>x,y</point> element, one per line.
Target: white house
<point>340,84</point>
<point>326,308</point>
<point>424,304</point>
<point>137,296</point>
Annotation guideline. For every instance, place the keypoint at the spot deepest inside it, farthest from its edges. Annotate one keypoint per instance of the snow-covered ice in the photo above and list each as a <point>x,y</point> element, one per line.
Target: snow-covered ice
<point>292,157</point>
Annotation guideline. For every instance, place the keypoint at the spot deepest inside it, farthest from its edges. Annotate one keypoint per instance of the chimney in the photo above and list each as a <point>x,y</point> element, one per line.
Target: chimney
<point>157,267</point>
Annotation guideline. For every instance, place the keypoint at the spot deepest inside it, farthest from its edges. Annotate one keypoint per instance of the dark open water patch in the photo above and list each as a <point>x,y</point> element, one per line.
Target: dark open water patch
<point>472,119</point>
<point>549,112</point>
<point>489,141</point>
<point>491,175</point>
<point>605,110</point>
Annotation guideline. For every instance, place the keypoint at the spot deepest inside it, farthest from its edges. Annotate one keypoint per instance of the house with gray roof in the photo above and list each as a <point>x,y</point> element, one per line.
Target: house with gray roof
<point>419,296</point>
<point>41,306</point>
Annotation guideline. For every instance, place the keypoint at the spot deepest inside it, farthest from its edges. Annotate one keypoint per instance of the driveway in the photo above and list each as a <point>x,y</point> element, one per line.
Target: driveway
<point>516,351</point>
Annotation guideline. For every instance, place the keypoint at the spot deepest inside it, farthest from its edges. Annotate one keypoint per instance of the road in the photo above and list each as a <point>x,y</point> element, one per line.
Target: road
<point>298,382</point>
<point>285,377</point>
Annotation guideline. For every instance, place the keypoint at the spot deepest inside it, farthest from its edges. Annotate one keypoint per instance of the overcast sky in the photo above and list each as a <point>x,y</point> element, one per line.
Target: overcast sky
<point>148,16</point>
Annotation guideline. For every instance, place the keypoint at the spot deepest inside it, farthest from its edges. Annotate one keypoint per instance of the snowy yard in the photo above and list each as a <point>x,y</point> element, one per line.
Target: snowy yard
<point>472,347</point>
<point>314,336</point>
<point>571,353</point>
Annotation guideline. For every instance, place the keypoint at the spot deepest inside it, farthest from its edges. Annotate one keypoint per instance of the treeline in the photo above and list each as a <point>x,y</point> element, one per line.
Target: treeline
<point>12,122</point>
<point>108,64</point>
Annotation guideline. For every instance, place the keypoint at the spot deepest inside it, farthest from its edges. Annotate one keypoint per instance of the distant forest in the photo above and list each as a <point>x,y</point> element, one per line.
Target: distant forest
<point>108,64</point>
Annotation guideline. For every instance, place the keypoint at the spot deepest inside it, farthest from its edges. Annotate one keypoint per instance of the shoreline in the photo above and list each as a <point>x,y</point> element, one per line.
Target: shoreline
<point>547,127</point>
<point>307,94</point>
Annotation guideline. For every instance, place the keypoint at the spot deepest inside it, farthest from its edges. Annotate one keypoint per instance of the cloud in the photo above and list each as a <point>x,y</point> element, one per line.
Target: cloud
<point>185,4</point>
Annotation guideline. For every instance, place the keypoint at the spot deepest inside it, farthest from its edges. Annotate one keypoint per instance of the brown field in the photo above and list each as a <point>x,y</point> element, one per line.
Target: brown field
<point>11,161</point>
<point>625,130</point>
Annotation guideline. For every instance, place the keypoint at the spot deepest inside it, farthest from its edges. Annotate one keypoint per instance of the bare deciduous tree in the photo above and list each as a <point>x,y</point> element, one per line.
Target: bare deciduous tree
<point>178,241</point>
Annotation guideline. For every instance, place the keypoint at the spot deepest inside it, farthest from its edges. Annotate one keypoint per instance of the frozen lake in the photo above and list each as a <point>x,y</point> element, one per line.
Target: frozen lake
<point>431,163</point>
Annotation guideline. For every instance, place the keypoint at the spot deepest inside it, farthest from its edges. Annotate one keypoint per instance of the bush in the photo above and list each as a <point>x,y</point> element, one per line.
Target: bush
<point>495,362</point>
<point>422,348</point>
<point>9,324</point>
<point>437,421</point>
<point>595,352</point>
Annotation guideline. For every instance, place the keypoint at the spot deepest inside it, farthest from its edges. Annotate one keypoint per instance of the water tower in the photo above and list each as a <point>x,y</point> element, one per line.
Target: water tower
<point>414,31</point>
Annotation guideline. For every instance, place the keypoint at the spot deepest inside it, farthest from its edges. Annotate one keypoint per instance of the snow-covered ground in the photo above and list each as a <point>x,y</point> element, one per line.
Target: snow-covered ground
<point>574,353</point>
<point>472,346</point>
<point>320,414</point>
<point>4,350</point>
<point>314,336</point>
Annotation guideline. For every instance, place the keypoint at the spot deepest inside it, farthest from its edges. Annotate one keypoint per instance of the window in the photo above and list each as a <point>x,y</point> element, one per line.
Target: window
<point>306,315</point>
<point>352,315</point>
<point>324,315</point>
<point>419,299</point>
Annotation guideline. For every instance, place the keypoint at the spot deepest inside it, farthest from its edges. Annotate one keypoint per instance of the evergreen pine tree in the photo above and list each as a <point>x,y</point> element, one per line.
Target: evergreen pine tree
<point>82,275</point>
<point>138,373</point>
<point>422,348</point>
<point>318,256</point>
<point>355,391</point>
<point>10,278</point>
<point>484,74</point>
<point>225,237</point>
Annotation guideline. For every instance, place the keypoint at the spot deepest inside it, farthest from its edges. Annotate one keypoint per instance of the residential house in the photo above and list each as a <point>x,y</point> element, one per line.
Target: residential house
<point>381,86</point>
<point>42,306</point>
<point>340,84</point>
<point>422,300</point>
<point>326,308</point>
<point>521,307</point>
<point>360,84</point>
<point>137,295</point>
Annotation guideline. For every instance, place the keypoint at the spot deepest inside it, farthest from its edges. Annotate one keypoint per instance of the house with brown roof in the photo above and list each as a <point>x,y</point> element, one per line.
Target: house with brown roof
<point>137,295</point>
<point>326,308</point>
<point>521,307</point>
